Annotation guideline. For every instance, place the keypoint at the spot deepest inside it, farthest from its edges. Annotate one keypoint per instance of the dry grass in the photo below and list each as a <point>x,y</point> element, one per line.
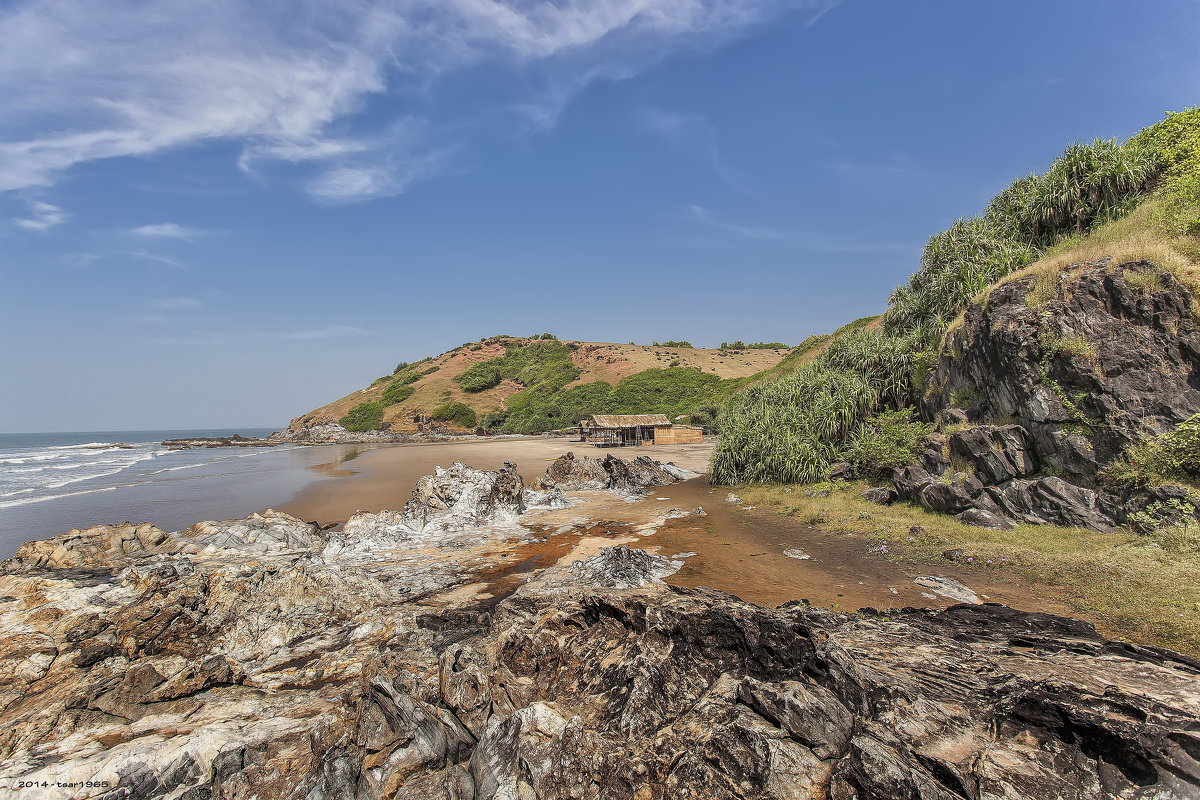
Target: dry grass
<point>1139,236</point>
<point>1134,587</point>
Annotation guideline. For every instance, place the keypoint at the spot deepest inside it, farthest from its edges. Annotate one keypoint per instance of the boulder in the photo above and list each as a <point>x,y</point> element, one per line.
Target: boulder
<point>630,477</point>
<point>1052,500</point>
<point>881,495</point>
<point>984,519</point>
<point>461,497</point>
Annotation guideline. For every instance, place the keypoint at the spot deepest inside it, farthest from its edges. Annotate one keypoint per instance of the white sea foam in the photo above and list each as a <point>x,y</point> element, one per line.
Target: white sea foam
<point>29,500</point>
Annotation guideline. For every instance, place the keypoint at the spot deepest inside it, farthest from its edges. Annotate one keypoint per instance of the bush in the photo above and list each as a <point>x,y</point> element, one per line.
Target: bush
<point>398,392</point>
<point>550,336</point>
<point>538,362</point>
<point>399,367</point>
<point>363,417</point>
<point>674,343</point>
<point>885,442</point>
<point>790,430</point>
<point>460,414</point>
<point>1173,457</point>
<point>738,345</point>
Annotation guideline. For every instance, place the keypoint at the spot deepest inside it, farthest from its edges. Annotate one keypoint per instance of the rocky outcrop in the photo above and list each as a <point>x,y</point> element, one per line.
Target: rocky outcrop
<point>333,433</point>
<point>1104,357</point>
<point>461,497</point>
<point>323,673</point>
<point>236,440</point>
<point>1076,371</point>
<point>630,477</point>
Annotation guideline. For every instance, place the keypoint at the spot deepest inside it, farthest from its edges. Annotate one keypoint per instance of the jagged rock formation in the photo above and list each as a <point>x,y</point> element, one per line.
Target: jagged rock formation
<point>179,670</point>
<point>1060,379</point>
<point>1108,355</point>
<point>629,477</point>
<point>462,497</point>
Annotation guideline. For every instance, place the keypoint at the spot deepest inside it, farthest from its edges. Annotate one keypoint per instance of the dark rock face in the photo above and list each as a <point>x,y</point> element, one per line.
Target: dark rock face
<point>1082,374</point>
<point>1098,366</point>
<point>998,453</point>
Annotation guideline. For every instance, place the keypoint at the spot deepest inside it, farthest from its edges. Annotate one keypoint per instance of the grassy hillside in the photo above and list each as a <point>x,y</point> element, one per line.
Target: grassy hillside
<point>1135,200</point>
<point>528,385</point>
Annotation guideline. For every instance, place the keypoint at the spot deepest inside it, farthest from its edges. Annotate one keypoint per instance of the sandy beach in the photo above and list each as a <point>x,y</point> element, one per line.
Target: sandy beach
<point>730,547</point>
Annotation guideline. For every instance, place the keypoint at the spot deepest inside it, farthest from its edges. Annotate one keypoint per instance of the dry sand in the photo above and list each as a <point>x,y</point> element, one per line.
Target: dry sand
<point>730,548</point>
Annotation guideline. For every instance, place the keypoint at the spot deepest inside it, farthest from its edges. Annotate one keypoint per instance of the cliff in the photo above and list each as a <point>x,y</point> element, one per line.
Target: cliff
<point>1050,379</point>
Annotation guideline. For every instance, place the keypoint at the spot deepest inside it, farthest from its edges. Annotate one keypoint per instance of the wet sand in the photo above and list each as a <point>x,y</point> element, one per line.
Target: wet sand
<point>729,548</point>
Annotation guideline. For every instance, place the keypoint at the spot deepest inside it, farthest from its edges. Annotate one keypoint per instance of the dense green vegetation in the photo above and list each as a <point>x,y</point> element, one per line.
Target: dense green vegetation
<point>460,414</point>
<point>674,343</point>
<point>363,417</point>
<point>1172,458</point>
<point>1176,141</point>
<point>792,428</point>
<point>542,362</point>
<point>397,392</point>
<point>673,391</point>
<point>885,442</point>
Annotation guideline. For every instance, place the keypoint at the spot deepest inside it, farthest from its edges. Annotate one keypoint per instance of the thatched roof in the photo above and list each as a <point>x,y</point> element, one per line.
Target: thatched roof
<point>626,420</point>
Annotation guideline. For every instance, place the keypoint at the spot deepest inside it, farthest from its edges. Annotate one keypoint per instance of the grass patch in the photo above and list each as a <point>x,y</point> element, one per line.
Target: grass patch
<point>1135,587</point>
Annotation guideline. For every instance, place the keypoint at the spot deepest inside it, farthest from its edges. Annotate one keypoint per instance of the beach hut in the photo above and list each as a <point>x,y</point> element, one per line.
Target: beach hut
<point>621,430</point>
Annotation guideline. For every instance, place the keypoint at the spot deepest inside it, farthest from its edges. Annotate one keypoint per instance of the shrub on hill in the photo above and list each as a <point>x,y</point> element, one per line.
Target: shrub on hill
<point>672,391</point>
<point>363,417</point>
<point>1173,457</point>
<point>674,343</point>
<point>460,414</point>
<point>543,361</point>
<point>397,392</point>
<point>884,442</point>
<point>1176,142</point>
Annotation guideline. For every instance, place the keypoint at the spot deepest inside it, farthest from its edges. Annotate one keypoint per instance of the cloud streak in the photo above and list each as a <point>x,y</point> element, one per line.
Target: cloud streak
<point>295,82</point>
<point>165,230</point>
<point>42,217</point>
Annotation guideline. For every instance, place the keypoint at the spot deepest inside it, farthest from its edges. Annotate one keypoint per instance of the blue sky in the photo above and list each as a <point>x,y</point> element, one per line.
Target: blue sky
<point>221,214</point>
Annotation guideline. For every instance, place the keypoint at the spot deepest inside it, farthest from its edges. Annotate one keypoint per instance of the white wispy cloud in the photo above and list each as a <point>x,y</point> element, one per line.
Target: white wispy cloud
<point>712,220</point>
<point>692,133</point>
<point>155,258</point>
<point>42,216</point>
<point>294,82</point>
<point>176,303</point>
<point>165,230</point>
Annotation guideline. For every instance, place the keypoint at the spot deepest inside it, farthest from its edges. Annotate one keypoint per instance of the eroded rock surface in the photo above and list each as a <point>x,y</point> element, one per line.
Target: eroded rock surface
<point>631,477</point>
<point>1058,380</point>
<point>307,675</point>
<point>266,658</point>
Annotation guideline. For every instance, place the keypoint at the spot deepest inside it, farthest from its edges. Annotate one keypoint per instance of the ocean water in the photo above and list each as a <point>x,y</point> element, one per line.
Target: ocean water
<point>53,482</point>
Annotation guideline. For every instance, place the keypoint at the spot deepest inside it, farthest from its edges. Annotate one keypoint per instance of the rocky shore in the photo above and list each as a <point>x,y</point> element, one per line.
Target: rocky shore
<point>266,657</point>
